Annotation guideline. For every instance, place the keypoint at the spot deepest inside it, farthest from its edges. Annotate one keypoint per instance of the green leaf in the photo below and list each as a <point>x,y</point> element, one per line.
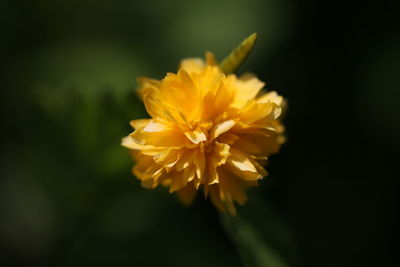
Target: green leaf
<point>238,55</point>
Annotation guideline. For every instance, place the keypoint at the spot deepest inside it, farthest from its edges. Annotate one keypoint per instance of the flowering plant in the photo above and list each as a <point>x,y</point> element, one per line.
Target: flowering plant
<point>209,130</point>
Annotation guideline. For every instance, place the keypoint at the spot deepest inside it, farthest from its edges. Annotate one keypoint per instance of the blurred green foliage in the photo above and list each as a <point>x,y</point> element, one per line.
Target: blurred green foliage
<point>262,240</point>
<point>68,74</point>
<point>67,195</point>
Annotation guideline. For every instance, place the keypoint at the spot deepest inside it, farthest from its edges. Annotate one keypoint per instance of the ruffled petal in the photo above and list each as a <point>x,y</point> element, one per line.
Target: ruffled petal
<point>246,90</point>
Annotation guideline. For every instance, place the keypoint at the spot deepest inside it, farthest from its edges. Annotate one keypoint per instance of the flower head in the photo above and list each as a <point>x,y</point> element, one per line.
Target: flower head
<point>207,130</point>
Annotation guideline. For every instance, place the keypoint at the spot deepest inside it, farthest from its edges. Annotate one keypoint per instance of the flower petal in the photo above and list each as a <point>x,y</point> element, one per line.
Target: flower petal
<point>232,185</point>
<point>177,181</point>
<point>136,124</point>
<point>259,142</point>
<point>246,90</point>
<point>221,128</point>
<point>159,135</point>
<point>196,136</point>
<point>240,165</point>
<point>187,194</point>
<point>192,64</point>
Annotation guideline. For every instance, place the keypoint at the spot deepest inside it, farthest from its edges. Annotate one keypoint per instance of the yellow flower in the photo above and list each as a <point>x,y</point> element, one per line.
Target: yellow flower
<point>207,130</point>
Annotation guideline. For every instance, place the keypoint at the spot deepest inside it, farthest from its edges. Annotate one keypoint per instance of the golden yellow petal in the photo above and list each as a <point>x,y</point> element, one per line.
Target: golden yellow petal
<point>271,97</point>
<point>221,128</point>
<point>189,173</point>
<point>221,153</point>
<point>187,194</point>
<point>259,167</point>
<point>258,143</point>
<point>167,158</point>
<point>136,124</point>
<point>172,138</point>
<point>148,150</point>
<point>200,162</point>
<point>177,181</point>
<point>215,198</point>
<point>196,136</point>
<point>145,85</point>
<point>154,126</point>
<point>128,142</point>
<point>219,96</point>
<point>146,168</point>
<point>153,105</point>
<point>233,186</point>
<point>186,159</point>
<point>215,159</point>
<point>255,111</point>
<point>212,173</point>
<point>192,64</point>
<point>228,138</point>
<point>149,183</point>
<point>246,90</point>
<point>210,59</point>
<point>240,164</point>
<point>180,96</point>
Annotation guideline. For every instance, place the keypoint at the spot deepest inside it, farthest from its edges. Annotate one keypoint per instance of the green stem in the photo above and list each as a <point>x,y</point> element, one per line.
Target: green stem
<point>253,251</point>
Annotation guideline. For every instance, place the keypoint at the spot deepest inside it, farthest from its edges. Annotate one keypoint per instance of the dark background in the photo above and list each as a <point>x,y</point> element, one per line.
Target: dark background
<point>67,78</point>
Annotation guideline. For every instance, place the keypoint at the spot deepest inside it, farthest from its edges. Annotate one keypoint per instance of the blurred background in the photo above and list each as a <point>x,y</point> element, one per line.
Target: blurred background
<point>67,75</point>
